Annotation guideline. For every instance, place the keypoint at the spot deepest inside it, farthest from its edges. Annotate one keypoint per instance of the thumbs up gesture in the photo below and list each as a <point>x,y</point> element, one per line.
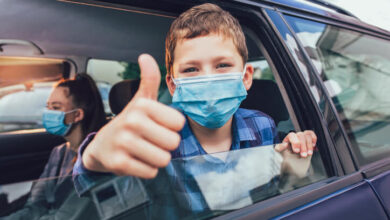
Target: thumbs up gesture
<point>137,141</point>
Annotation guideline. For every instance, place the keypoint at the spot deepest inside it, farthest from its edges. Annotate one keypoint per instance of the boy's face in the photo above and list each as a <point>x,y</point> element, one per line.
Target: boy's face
<point>205,55</point>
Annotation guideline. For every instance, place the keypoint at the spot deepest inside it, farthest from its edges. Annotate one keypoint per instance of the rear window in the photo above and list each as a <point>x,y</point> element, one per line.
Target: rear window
<point>355,69</point>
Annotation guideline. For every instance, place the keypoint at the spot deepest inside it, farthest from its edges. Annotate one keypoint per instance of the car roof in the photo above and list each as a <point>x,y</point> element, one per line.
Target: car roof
<point>69,30</point>
<point>323,9</point>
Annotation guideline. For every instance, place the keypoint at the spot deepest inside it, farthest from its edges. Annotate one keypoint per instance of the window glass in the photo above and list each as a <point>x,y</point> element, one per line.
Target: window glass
<point>355,69</point>
<point>197,187</point>
<point>25,85</point>
<point>21,106</point>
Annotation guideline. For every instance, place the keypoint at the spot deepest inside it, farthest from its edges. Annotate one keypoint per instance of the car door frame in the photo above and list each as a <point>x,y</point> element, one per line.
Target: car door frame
<point>343,181</point>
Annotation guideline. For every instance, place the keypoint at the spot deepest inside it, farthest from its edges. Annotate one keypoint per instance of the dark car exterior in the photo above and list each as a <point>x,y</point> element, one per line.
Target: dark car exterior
<point>329,69</point>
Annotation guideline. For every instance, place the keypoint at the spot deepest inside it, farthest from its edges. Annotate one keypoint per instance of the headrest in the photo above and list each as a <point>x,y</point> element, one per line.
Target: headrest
<point>265,96</point>
<point>121,93</point>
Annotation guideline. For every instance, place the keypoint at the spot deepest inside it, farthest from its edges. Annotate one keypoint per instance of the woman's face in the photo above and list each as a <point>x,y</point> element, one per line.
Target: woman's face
<point>59,100</point>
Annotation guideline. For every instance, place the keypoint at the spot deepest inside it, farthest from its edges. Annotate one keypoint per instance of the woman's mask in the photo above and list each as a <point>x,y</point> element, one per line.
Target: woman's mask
<point>54,122</point>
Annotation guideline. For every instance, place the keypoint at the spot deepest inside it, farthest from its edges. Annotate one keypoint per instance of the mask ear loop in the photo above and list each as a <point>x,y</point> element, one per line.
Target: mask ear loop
<point>70,125</point>
<point>243,73</point>
<point>68,112</point>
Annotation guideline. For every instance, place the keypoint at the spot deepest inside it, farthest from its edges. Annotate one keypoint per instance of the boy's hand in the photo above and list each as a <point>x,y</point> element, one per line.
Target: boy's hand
<point>137,141</point>
<point>302,143</point>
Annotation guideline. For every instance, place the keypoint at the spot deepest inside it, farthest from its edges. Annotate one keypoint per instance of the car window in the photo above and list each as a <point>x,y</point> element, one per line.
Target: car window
<point>25,85</point>
<point>21,107</point>
<point>355,69</point>
<point>193,187</point>
<point>206,185</point>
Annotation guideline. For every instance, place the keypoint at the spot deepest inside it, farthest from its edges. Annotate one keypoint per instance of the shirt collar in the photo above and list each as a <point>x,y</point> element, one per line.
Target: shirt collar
<point>242,128</point>
<point>242,131</point>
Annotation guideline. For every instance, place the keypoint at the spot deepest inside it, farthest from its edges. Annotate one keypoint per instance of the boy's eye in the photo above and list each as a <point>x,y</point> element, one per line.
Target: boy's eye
<point>189,70</point>
<point>223,65</point>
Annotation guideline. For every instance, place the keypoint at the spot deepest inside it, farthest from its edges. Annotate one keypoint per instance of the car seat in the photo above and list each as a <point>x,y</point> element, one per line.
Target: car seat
<point>121,93</point>
<point>265,96</point>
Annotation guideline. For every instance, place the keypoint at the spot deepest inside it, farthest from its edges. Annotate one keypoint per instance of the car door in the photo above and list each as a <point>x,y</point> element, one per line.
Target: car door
<point>348,72</point>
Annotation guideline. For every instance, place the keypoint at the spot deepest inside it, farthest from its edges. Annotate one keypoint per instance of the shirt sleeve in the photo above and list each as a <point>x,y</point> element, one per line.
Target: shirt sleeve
<point>84,179</point>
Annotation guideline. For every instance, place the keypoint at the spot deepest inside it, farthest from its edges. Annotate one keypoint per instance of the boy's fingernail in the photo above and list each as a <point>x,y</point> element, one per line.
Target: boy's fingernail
<point>310,152</point>
<point>304,154</point>
<point>296,150</point>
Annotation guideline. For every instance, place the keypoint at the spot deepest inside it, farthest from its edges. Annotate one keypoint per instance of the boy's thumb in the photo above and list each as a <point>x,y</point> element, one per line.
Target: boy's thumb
<point>150,77</point>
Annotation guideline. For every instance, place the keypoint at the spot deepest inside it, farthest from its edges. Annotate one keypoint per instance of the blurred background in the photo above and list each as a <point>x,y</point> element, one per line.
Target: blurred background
<point>376,12</point>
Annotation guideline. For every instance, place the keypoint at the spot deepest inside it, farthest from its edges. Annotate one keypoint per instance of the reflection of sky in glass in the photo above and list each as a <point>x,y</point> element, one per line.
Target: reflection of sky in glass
<point>226,179</point>
<point>24,105</point>
<point>302,25</point>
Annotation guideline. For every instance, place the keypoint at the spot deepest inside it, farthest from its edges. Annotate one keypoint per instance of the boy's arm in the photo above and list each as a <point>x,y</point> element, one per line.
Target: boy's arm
<point>137,141</point>
<point>84,179</point>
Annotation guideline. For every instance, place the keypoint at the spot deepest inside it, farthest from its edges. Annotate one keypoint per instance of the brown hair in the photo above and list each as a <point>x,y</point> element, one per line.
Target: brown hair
<point>202,20</point>
<point>85,95</point>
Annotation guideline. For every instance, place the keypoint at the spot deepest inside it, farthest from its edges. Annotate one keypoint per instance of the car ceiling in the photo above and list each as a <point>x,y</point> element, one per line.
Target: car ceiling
<point>69,29</point>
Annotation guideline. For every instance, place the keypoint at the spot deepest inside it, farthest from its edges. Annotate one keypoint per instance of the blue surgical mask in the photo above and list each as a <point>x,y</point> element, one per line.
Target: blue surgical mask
<point>210,100</point>
<point>53,122</point>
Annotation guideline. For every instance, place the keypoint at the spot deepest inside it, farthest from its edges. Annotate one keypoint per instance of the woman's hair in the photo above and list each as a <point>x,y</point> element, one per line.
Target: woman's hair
<point>85,95</point>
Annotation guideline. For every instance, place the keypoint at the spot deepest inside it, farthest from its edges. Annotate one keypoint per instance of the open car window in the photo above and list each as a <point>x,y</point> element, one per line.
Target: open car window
<point>193,187</point>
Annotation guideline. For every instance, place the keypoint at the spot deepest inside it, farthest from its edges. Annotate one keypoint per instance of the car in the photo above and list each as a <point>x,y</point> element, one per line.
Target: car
<point>317,67</point>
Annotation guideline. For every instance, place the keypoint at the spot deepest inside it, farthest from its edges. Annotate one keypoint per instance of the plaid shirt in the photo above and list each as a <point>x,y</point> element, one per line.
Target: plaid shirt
<point>250,128</point>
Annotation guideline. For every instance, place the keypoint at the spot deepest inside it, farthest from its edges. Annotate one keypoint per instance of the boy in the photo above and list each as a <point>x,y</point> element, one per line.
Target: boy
<point>207,76</point>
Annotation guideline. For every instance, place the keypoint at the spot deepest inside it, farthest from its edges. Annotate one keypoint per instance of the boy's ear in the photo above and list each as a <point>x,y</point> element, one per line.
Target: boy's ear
<point>248,77</point>
<point>171,85</point>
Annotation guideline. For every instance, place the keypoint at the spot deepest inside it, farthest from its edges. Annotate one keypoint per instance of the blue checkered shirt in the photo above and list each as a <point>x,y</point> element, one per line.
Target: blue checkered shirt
<point>250,128</point>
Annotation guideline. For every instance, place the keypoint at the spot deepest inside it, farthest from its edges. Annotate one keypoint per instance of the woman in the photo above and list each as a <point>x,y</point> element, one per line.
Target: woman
<point>74,109</point>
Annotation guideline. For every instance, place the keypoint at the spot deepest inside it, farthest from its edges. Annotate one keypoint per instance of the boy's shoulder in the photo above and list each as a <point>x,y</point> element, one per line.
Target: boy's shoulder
<point>250,113</point>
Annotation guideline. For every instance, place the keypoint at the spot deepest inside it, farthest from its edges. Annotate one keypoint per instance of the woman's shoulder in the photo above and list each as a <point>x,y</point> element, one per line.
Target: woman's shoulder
<point>59,150</point>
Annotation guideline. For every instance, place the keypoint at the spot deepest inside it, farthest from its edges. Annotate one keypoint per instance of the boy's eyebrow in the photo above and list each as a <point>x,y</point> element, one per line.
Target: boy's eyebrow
<point>223,58</point>
<point>188,63</point>
<point>215,59</point>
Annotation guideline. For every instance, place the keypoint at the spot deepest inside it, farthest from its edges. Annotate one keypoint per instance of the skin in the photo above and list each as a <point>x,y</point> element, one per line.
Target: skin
<point>59,101</point>
<point>138,141</point>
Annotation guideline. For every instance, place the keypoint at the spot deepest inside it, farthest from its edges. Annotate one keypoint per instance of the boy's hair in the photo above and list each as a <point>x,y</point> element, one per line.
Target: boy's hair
<point>202,20</point>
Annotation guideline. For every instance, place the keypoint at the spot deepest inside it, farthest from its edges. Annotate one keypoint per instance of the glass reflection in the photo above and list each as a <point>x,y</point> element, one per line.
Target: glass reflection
<point>192,188</point>
<point>355,69</point>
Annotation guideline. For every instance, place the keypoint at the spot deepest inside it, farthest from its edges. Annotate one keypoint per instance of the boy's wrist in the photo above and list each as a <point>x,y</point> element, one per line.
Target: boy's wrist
<point>81,153</point>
